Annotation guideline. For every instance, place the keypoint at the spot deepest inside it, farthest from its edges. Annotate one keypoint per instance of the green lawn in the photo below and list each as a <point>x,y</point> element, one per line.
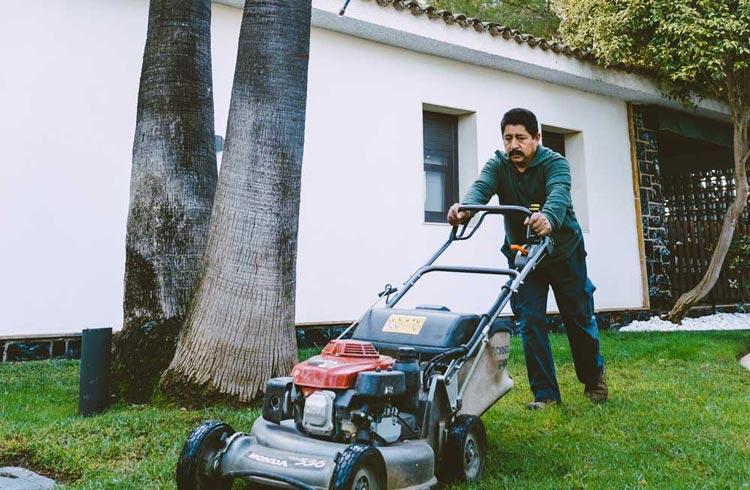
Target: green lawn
<point>678,417</point>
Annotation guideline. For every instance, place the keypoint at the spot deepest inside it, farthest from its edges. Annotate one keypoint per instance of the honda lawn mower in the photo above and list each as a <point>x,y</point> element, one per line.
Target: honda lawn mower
<point>393,403</point>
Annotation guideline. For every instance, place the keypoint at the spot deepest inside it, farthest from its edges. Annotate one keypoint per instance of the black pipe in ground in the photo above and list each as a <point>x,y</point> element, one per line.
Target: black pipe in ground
<point>93,391</point>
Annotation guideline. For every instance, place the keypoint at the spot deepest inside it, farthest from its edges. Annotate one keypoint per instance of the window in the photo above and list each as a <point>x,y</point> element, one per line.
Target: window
<point>554,141</point>
<point>440,164</point>
<point>569,143</point>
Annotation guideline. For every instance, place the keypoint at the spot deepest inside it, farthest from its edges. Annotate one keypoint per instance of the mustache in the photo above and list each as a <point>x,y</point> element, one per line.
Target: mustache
<point>516,152</point>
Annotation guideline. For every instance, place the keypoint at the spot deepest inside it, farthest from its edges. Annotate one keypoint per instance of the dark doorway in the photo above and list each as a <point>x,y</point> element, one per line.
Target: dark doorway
<point>698,183</point>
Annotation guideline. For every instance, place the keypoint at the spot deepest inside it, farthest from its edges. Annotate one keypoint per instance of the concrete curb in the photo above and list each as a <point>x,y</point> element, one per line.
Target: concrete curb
<point>745,362</point>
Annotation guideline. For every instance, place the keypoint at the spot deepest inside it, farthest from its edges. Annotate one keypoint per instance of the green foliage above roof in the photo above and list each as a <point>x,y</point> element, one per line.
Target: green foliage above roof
<point>699,47</point>
<point>528,16</point>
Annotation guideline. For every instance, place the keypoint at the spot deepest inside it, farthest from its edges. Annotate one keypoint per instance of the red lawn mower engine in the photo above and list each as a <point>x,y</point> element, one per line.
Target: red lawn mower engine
<point>349,393</point>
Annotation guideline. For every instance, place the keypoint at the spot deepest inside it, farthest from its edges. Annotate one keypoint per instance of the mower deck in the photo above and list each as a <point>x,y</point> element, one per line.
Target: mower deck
<point>277,453</point>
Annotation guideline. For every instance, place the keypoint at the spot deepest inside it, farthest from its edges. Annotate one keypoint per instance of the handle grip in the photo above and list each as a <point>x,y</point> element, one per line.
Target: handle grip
<point>496,209</point>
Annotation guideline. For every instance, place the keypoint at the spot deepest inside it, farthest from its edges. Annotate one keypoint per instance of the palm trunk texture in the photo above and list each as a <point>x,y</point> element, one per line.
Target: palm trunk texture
<point>240,329</point>
<point>172,186</point>
<point>740,115</point>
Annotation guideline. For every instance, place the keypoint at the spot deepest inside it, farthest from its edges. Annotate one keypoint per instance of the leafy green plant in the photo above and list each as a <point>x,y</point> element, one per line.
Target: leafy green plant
<point>738,265</point>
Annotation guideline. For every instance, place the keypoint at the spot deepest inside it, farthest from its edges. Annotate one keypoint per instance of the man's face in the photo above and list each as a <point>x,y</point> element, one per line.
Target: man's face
<point>520,145</point>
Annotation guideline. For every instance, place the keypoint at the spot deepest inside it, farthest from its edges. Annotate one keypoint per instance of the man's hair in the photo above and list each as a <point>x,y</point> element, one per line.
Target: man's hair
<point>521,116</point>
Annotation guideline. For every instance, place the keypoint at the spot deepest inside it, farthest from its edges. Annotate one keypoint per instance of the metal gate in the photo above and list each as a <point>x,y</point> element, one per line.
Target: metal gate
<point>695,207</point>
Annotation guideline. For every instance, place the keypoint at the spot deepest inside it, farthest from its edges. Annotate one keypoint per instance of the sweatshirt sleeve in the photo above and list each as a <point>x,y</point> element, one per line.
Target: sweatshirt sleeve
<point>558,192</point>
<point>482,190</point>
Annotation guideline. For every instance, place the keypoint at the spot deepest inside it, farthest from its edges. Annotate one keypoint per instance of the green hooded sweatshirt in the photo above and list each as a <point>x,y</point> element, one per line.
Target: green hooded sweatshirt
<point>546,182</point>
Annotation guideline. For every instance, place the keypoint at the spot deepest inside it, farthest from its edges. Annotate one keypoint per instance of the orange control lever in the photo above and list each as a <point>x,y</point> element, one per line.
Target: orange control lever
<point>520,248</point>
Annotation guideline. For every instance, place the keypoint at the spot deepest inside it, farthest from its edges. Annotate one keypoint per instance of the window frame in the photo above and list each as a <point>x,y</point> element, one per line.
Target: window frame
<point>450,171</point>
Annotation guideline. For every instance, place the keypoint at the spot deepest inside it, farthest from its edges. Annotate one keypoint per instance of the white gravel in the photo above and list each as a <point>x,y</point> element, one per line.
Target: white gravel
<point>719,321</point>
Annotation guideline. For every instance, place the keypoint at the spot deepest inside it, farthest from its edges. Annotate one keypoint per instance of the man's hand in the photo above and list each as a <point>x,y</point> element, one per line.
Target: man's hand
<point>539,224</point>
<point>456,217</point>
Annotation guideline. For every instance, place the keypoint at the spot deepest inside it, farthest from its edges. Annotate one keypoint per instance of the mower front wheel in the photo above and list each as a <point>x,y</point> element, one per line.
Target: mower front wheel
<point>465,450</point>
<point>195,469</point>
<point>359,467</point>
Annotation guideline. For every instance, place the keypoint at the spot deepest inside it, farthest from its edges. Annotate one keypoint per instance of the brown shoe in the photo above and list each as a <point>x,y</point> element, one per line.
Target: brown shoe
<point>597,392</point>
<point>541,404</point>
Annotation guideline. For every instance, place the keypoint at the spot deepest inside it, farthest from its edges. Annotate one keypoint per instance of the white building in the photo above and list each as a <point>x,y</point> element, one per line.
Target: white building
<point>68,91</point>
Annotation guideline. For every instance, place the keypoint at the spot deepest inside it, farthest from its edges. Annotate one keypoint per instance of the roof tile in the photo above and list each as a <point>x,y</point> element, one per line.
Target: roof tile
<point>417,8</point>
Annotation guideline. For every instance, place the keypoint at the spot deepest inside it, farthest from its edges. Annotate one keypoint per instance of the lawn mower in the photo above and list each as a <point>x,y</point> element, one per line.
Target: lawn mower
<point>393,403</point>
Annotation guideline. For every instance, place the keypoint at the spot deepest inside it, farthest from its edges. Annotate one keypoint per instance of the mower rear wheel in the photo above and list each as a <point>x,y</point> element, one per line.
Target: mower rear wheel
<point>359,467</point>
<point>195,469</point>
<point>465,450</point>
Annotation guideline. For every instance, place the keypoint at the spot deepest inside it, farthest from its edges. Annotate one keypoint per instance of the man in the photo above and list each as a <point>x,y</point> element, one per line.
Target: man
<point>528,173</point>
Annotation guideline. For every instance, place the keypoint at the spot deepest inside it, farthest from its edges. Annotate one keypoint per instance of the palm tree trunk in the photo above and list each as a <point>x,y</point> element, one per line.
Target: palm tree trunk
<point>173,181</point>
<point>240,329</point>
<point>687,300</point>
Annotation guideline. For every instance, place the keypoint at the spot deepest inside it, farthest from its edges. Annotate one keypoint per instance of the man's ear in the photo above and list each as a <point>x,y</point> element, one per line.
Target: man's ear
<point>538,137</point>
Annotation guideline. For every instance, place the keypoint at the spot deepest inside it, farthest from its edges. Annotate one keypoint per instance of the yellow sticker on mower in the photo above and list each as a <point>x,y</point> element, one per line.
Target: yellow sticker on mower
<point>408,324</point>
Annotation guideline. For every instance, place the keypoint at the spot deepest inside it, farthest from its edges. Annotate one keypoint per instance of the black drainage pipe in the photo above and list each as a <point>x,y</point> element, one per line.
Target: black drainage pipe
<point>93,391</point>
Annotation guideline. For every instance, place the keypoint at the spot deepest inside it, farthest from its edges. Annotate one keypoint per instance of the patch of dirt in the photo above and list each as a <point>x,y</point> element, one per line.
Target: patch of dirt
<point>179,388</point>
<point>28,462</point>
<point>743,353</point>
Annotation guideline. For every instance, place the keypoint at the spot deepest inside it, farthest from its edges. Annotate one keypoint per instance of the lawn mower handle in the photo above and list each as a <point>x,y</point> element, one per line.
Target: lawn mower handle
<point>484,210</point>
<point>456,235</point>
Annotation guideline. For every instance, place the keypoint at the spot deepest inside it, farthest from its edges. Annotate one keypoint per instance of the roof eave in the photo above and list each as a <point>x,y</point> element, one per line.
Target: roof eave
<point>399,28</point>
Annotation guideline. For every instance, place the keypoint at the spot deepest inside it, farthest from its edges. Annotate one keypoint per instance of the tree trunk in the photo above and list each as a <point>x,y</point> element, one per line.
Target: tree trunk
<point>734,212</point>
<point>173,181</point>
<point>240,329</point>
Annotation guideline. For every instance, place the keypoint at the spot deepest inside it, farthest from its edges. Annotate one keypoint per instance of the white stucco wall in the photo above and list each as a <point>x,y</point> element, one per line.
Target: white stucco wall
<point>363,153</point>
<point>68,91</point>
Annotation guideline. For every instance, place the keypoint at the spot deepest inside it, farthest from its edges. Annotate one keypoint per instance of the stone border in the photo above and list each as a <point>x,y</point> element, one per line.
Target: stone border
<point>40,347</point>
<point>318,335</point>
<point>745,362</point>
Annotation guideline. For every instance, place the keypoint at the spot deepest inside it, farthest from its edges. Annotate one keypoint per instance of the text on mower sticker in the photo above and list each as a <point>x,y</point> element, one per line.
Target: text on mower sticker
<point>283,463</point>
<point>408,324</point>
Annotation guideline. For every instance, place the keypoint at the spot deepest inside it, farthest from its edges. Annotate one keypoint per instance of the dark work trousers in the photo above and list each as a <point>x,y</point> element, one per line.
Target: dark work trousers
<point>574,295</point>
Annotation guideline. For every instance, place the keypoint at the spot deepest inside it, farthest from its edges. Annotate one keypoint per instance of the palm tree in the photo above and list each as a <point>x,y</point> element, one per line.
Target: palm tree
<point>173,181</point>
<point>240,329</point>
